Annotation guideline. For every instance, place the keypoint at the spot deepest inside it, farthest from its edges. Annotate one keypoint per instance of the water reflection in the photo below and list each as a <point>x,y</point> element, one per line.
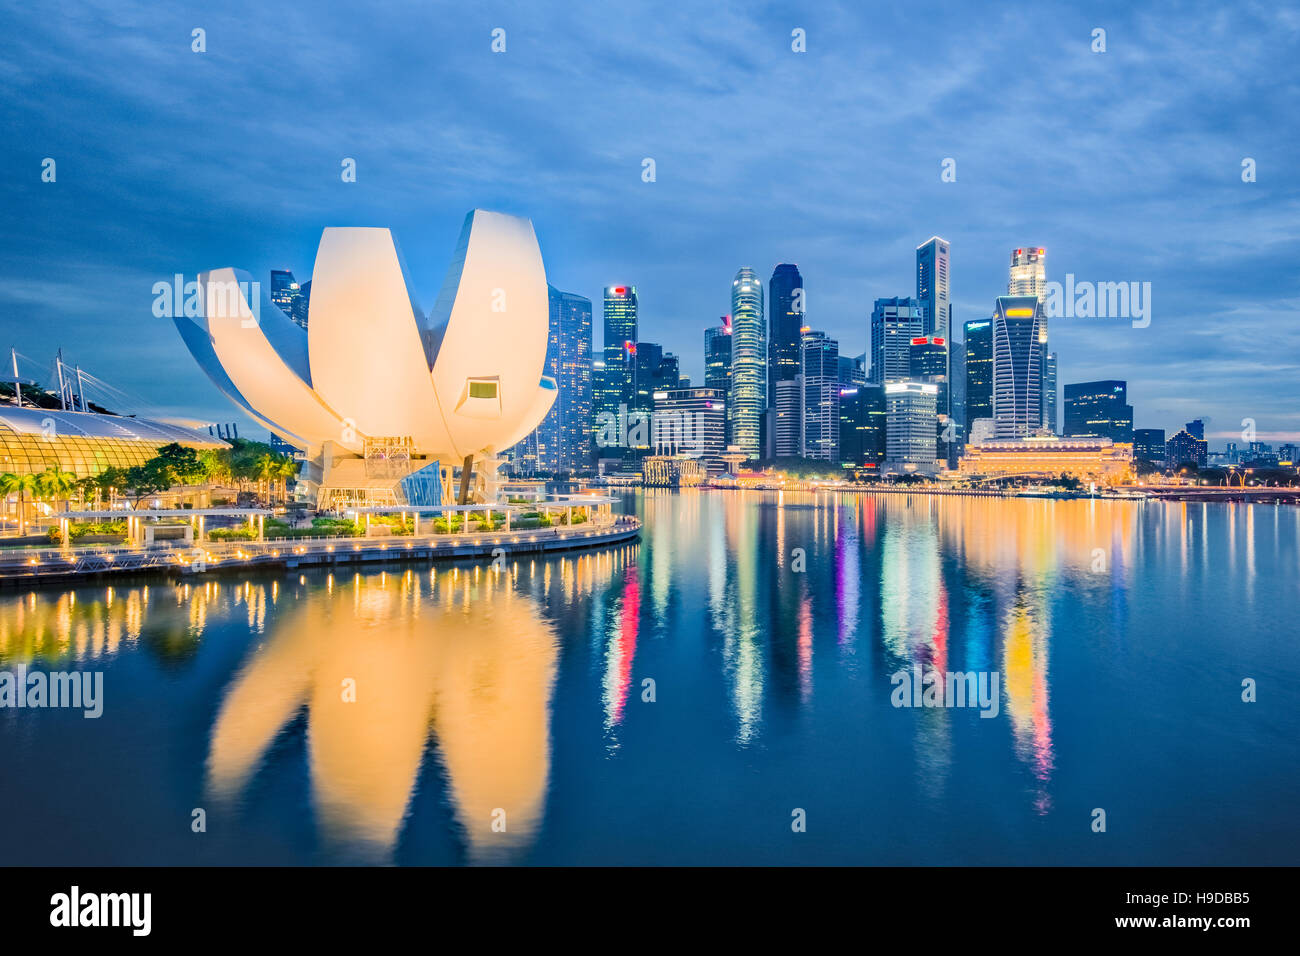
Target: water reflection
<point>771,623</point>
<point>376,665</point>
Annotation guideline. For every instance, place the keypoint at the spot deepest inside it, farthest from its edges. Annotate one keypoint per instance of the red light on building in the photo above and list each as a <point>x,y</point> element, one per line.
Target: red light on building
<point>1019,251</point>
<point>1041,251</point>
<point>938,340</point>
<point>921,341</point>
<point>620,290</point>
<point>630,347</point>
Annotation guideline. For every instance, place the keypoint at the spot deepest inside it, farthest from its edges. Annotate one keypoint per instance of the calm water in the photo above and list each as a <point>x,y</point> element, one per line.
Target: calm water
<point>1120,632</point>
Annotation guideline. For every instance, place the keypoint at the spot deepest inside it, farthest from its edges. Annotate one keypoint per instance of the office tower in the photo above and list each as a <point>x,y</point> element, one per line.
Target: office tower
<point>717,361</point>
<point>820,370</point>
<point>853,370</point>
<point>646,360</point>
<point>787,419</point>
<point>285,292</point>
<point>690,421</point>
<point>1049,395</point>
<point>862,426</point>
<point>301,304</point>
<point>932,289</point>
<point>957,395</point>
<point>785,320</point>
<point>1098,409</point>
<point>1149,445</point>
<point>1028,274</point>
<point>979,372</point>
<point>894,323</point>
<point>620,328</point>
<point>748,398</point>
<point>1186,448</point>
<point>1017,366</point>
<point>911,410</point>
<point>564,439</point>
<point>1195,428</point>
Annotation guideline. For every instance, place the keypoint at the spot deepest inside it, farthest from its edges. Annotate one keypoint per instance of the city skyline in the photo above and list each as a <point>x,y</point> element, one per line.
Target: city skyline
<point>1116,190</point>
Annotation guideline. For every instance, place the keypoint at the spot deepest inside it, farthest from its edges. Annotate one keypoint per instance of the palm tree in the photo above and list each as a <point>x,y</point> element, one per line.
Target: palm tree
<point>21,485</point>
<point>55,483</point>
<point>288,468</point>
<point>266,468</point>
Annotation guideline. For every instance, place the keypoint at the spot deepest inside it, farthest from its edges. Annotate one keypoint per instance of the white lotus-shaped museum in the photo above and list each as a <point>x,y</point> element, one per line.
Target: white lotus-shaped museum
<point>467,380</point>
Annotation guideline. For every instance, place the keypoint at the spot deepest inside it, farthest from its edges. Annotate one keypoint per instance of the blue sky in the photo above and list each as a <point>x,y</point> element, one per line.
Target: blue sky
<point>1124,165</point>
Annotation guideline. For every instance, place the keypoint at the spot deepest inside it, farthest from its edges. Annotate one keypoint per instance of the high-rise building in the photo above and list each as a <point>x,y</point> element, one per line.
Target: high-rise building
<point>1195,428</point>
<point>1098,409</point>
<point>853,370</point>
<point>748,398</point>
<point>1028,275</point>
<point>1017,366</point>
<point>862,425</point>
<point>785,308</point>
<point>820,370</point>
<point>690,421</point>
<point>787,418</point>
<point>932,289</point>
<point>979,371</point>
<point>620,335</point>
<point>1050,417</point>
<point>910,437</point>
<point>301,304</point>
<point>1149,445</point>
<point>717,361</point>
<point>285,294</point>
<point>564,438</point>
<point>956,400</point>
<point>1186,448</point>
<point>894,323</point>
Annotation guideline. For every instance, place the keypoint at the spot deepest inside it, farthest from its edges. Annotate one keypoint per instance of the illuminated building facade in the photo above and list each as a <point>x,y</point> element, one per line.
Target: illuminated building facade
<point>1096,460</point>
<point>894,323</point>
<point>820,372</point>
<point>785,322</point>
<point>1100,409</point>
<point>979,371</point>
<point>1149,445</point>
<point>717,361</point>
<point>748,398</point>
<point>911,411</point>
<point>564,438</point>
<point>1019,338</point>
<point>1028,273</point>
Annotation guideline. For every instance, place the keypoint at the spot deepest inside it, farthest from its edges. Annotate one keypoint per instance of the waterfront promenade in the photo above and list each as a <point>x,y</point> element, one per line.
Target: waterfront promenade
<point>186,560</point>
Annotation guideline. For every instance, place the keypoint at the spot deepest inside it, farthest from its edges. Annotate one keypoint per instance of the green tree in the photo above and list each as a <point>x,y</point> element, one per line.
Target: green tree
<point>22,486</point>
<point>56,484</point>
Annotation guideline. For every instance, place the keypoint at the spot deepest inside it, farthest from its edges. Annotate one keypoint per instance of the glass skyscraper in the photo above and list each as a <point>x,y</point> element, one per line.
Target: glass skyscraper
<point>614,382</point>
<point>748,398</point>
<point>894,323</point>
<point>1017,366</point>
<point>717,363</point>
<point>564,438</point>
<point>979,371</point>
<point>820,371</point>
<point>1099,409</point>
<point>786,320</point>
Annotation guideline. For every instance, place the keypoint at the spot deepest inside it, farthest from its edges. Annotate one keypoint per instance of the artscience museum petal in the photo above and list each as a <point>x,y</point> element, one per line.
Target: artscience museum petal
<point>374,390</point>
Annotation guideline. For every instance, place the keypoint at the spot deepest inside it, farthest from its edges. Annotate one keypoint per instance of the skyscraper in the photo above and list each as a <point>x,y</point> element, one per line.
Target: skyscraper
<point>785,320</point>
<point>862,425</point>
<point>717,362</point>
<point>748,399</point>
<point>979,371</point>
<point>1028,274</point>
<point>932,289</point>
<point>285,293</point>
<point>1017,366</point>
<point>1149,445</point>
<point>894,323</point>
<point>1050,417</point>
<point>910,439</point>
<point>1098,409</point>
<point>613,386</point>
<point>820,371</point>
<point>564,439</point>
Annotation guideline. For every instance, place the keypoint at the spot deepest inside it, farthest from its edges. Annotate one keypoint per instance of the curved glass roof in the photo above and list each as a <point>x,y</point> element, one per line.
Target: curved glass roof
<point>46,421</point>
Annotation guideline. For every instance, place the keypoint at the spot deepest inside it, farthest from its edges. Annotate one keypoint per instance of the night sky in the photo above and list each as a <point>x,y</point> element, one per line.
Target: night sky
<point>1125,165</point>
